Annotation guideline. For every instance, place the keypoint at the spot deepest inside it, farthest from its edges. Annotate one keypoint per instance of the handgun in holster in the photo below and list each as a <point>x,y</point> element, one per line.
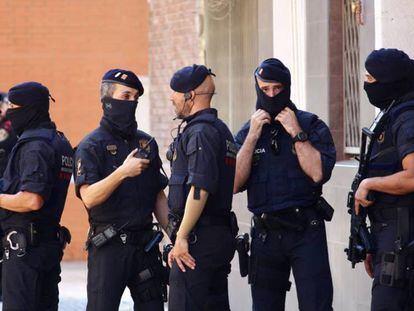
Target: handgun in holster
<point>242,247</point>
<point>172,227</point>
<point>64,236</point>
<point>165,252</point>
<point>324,209</point>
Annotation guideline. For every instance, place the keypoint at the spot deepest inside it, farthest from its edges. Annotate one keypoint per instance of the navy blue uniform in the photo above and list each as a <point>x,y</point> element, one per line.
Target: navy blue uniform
<point>204,157</point>
<point>118,263</point>
<point>7,141</point>
<point>278,187</point>
<point>41,162</point>
<point>393,145</point>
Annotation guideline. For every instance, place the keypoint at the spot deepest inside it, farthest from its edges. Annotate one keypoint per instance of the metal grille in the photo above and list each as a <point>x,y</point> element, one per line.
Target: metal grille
<point>351,79</point>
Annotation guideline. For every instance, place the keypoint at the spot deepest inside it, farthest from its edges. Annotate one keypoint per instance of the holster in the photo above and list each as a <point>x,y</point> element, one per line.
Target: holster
<point>242,247</point>
<point>324,209</point>
<point>155,271</point>
<point>172,227</point>
<point>64,236</point>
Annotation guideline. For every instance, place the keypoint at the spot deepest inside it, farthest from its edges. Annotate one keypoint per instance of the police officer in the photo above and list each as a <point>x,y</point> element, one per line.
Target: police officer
<point>118,178</point>
<point>7,136</point>
<point>35,185</point>
<point>285,157</point>
<point>389,84</point>
<point>7,141</point>
<point>200,196</point>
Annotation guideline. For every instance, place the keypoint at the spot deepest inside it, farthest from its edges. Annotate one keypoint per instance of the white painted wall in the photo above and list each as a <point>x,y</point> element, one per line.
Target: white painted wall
<point>289,33</point>
<point>143,111</point>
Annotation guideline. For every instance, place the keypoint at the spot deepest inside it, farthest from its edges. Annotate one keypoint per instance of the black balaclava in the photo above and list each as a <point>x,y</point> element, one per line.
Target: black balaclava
<point>119,115</point>
<point>33,99</point>
<point>393,70</point>
<point>273,70</point>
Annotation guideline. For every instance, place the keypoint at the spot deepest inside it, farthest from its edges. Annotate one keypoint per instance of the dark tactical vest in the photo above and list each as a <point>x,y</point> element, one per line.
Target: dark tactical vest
<point>220,202</point>
<point>51,211</point>
<point>385,160</point>
<point>276,180</point>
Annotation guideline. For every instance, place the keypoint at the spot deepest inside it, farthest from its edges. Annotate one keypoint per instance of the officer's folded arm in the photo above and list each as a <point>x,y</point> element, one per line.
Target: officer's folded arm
<point>399,183</point>
<point>21,202</point>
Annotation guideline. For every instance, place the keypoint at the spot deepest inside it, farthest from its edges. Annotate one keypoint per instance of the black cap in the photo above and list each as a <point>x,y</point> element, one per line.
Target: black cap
<point>189,78</point>
<point>389,65</point>
<point>29,93</point>
<point>273,70</point>
<point>124,77</point>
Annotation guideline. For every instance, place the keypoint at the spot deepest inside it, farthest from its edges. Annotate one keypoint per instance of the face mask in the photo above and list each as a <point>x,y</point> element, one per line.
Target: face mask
<point>120,115</point>
<point>381,95</point>
<point>26,117</point>
<point>272,105</point>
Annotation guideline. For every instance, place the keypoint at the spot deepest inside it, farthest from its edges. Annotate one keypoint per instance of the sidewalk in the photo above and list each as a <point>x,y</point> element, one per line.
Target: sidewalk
<point>72,288</point>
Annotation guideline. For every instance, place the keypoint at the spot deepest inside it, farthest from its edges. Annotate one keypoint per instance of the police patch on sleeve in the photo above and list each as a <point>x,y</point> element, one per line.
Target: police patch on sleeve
<point>231,153</point>
<point>79,170</point>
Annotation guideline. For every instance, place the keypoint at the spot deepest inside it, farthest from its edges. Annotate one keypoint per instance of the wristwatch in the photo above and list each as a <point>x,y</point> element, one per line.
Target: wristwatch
<point>301,136</point>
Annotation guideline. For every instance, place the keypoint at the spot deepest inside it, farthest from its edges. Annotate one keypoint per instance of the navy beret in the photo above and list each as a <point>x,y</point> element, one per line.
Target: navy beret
<point>189,78</point>
<point>124,77</point>
<point>389,65</point>
<point>29,93</point>
<point>273,70</point>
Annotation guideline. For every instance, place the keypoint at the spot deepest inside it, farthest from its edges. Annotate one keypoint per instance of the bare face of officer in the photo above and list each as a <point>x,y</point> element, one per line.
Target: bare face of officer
<point>271,89</point>
<point>123,92</point>
<point>180,104</point>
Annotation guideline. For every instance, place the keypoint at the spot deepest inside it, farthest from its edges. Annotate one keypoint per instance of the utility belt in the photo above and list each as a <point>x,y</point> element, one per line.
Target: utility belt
<point>148,236</point>
<point>204,221</point>
<point>295,219</point>
<point>19,239</point>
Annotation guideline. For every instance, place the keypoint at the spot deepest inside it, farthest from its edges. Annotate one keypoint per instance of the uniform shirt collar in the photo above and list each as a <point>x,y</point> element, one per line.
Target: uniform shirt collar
<point>203,112</point>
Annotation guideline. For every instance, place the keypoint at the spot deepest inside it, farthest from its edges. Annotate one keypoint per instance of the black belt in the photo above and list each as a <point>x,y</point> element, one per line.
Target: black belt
<point>291,218</point>
<point>35,233</point>
<point>134,237</point>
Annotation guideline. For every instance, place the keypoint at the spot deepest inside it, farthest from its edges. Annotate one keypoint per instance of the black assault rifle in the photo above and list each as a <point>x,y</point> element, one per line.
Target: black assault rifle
<point>360,243</point>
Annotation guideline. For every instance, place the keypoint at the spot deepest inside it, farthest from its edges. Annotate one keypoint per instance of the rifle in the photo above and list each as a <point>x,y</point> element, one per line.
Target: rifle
<point>360,243</point>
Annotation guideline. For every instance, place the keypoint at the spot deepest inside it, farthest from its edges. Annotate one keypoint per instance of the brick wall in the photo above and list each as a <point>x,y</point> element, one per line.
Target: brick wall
<point>174,42</point>
<point>68,45</point>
